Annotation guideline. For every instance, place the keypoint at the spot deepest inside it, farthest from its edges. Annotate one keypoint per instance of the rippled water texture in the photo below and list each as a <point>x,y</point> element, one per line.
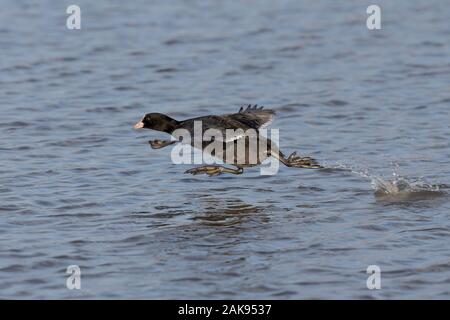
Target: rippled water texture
<point>79,186</point>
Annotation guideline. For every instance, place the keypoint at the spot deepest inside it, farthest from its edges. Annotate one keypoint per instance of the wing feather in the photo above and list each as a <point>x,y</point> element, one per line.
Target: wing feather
<point>254,117</point>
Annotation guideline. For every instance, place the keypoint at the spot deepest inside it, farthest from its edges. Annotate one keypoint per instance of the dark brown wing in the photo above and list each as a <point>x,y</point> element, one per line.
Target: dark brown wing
<point>250,118</point>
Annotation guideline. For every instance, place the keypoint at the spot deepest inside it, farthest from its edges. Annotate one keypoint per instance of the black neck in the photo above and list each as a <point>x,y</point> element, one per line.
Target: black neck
<point>167,124</point>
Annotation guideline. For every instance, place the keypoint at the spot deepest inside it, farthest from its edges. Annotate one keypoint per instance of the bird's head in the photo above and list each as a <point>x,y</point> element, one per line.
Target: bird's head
<point>157,121</point>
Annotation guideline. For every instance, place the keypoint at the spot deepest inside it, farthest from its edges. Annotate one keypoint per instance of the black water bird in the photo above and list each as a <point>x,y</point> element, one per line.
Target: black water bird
<point>252,117</point>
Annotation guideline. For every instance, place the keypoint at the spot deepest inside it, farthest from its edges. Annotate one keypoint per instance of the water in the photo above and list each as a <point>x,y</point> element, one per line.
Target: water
<point>79,186</point>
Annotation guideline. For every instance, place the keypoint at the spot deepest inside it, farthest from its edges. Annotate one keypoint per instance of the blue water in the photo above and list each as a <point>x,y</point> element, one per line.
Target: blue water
<point>79,186</point>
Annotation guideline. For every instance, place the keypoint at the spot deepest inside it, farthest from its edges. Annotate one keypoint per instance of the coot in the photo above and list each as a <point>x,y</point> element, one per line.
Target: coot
<point>252,117</point>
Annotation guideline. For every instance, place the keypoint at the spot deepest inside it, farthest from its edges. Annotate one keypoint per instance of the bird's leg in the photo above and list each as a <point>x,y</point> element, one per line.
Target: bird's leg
<point>158,144</point>
<point>214,170</point>
<point>296,161</point>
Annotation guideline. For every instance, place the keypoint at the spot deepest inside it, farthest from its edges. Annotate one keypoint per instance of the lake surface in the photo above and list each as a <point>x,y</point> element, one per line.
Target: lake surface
<point>79,186</point>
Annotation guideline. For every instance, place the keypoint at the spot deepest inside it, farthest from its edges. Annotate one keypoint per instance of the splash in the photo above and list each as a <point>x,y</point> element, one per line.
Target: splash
<point>399,188</point>
<point>406,189</point>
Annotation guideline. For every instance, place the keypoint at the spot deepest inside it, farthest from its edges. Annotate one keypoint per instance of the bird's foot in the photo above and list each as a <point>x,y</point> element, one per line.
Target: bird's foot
<point>213,170</point>
<point>302,162</point>
<point>158,144</point>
